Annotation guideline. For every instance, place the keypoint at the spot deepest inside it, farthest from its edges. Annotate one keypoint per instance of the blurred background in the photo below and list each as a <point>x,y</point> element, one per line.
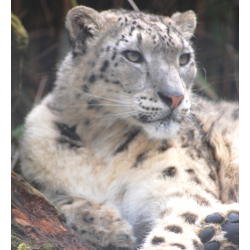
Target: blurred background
<point>39,43</point>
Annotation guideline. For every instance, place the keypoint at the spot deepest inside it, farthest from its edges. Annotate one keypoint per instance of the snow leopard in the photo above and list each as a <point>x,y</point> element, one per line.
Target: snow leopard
<point>131,157</point>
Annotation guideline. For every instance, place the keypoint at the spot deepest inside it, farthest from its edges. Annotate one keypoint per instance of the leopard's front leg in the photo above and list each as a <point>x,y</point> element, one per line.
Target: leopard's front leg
<point>195,227</point>
<point>175,227</point>
<point>98,223</point>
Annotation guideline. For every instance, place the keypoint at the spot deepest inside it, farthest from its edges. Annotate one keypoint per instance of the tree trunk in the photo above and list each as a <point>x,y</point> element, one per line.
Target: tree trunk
<point>36,223</point>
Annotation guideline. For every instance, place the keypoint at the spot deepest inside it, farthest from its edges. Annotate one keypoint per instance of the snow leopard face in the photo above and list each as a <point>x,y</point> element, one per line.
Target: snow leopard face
<point>131,66</point>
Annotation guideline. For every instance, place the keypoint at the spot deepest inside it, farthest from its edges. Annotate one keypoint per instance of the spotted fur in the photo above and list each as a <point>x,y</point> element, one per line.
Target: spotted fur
<point>127,153</point>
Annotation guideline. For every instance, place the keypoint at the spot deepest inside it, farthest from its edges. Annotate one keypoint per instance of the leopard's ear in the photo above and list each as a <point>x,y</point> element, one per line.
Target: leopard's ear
<point>186,22</point>
<point>83,23</point>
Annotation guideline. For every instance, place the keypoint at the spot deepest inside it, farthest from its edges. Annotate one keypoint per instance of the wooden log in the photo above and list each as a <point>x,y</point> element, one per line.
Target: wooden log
<point>36,223</point>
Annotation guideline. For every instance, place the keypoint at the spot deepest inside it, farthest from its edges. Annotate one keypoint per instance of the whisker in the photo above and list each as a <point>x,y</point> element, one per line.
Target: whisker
<point>128,95</point>
<point>119,115</point>
<point>104,98</point>
<point>117,118</point>
<point>194,113</point>
<point>191,118</point>
<point>106,105</point>
<point>197,105</point>
<point>205,72</point>
<point>100,97</point>
<point>121,118</point>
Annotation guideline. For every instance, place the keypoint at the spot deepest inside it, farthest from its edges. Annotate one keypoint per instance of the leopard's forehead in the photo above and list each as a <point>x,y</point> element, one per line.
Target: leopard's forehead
<point>159,31</point>
<point>126,17</point>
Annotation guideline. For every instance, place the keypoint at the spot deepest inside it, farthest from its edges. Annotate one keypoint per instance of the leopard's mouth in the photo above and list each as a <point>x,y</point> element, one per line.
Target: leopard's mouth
<point>149,119</point>
<point>160,128</point>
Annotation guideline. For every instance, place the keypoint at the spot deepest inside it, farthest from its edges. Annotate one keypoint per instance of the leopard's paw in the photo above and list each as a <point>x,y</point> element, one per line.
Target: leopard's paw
<point>220,229</point>
<point>98,223</point>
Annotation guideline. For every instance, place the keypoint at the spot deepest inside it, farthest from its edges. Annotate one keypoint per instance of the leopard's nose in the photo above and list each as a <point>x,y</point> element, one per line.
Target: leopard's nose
<point>171,100</point>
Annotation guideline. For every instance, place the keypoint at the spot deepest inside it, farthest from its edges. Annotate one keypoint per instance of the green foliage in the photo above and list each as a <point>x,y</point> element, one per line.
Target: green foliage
<point>17,132</point>
<point>19,36</point>
<point>23,246</point>
<point>48,246</point>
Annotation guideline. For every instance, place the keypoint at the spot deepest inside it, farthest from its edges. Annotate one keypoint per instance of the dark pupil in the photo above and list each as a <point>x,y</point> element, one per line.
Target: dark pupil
<point>184,59</point>
<point>135,55</point>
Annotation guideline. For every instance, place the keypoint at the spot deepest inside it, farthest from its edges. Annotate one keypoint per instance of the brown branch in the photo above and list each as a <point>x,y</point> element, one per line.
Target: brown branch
<point>133,5</point>
<point>73,3</point>
<point>48,18</point>
<point>36,223</point>
<point>40,90</point>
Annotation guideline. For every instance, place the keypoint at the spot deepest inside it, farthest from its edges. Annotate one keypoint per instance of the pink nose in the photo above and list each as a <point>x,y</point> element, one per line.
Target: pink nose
<point>175,100</point>
<point>171,100</point>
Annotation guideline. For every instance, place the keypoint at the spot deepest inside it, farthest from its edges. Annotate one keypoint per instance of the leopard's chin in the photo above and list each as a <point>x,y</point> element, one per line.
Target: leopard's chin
<point>162,129</point>
<point>165,127</point>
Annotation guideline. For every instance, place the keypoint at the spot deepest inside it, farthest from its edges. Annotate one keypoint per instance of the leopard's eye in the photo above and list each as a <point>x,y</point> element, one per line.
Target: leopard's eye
<point>184,59</point>
<point>133,56</point>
